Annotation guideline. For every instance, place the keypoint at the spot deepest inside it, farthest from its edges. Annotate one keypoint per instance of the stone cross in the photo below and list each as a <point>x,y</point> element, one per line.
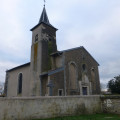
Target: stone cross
<point>50,85</point>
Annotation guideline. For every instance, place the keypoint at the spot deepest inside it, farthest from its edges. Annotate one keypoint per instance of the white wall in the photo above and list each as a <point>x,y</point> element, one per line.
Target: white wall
<point>13,81</point>
<point>45,107</point>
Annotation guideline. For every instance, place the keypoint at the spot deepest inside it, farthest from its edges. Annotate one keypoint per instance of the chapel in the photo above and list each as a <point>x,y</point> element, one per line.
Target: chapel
<point>51,72</point>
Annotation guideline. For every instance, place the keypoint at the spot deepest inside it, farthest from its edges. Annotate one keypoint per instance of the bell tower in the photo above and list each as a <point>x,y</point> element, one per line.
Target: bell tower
<point>43,44</point>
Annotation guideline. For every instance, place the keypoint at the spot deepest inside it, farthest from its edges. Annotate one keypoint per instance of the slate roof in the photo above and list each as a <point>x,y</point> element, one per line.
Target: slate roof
<point>52,71</point>
<point>44,19</point>
<point>55,71</point>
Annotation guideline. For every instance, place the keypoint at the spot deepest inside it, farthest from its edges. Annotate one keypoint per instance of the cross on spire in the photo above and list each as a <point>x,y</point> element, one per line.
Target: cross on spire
<point>44,2</point>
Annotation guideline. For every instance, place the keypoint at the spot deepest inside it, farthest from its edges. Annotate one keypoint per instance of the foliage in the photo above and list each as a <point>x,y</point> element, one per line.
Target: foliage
<point>114,85</point>
<point>87,117</point>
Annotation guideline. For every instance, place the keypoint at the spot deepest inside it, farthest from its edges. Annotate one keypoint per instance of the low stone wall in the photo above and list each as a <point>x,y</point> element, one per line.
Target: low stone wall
<point>47,107</point>
<point>111,104</point>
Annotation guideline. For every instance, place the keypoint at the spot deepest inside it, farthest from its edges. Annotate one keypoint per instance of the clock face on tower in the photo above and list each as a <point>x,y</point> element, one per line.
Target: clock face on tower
<point>36,38</point>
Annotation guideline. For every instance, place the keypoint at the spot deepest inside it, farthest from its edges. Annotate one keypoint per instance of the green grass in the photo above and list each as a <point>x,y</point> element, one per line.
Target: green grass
<point>87,117</point>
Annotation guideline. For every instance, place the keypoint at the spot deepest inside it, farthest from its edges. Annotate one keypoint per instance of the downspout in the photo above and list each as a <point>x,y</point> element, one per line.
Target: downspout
<point>40,85</point>
<point>64,74</point>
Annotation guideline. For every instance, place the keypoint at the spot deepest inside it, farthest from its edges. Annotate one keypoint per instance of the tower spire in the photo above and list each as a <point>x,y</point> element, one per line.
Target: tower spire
<point>44,17</point>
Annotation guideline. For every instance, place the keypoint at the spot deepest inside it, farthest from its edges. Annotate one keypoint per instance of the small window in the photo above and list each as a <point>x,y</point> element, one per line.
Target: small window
<point>60,92</point>
<point>20,77</point>
<point>36,38</point>
<point>50,39</point>
<point>93,70</point>
<point>83,67</point>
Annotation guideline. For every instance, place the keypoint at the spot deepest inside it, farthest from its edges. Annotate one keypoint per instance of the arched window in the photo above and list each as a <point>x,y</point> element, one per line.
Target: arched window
<point>20,77</point>
<point>92,69</point>
<point>84,67</point>
<point>93,78</point>
<point>73,76</point>
<point>93,73</point>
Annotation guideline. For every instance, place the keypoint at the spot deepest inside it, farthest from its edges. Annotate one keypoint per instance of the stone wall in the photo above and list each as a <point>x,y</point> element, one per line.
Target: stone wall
<point>46,107</point>
<point>111,104</point>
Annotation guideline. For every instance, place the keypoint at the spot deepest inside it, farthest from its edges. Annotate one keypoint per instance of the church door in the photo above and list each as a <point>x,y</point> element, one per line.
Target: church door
<point>84,89</point>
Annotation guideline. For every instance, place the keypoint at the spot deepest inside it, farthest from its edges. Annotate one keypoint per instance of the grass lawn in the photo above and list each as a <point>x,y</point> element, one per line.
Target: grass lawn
<point>88,117</point>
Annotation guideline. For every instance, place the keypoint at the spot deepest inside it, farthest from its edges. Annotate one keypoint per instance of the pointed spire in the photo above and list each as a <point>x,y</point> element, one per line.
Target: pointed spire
<point>44,17</point>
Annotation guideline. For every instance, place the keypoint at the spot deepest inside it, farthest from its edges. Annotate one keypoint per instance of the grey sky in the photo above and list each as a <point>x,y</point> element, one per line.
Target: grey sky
<point>94,24</point>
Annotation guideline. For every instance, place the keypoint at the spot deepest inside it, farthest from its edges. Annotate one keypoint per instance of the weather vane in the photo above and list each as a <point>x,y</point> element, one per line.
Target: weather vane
<point>44,2</point>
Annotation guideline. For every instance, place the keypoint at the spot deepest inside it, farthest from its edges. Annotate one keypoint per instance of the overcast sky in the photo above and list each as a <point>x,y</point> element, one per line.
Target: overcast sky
<point>94,24</point>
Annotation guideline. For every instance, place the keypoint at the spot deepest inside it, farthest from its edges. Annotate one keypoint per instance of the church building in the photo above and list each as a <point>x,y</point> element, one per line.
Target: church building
<point>51,72</point>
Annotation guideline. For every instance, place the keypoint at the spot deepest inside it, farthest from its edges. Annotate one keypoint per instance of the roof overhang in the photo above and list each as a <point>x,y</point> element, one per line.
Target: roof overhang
<point>43,23</point>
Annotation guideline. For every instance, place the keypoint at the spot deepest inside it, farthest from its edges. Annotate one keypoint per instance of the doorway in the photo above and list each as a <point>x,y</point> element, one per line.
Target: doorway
<point>60,92</point>
<point>84,90</point>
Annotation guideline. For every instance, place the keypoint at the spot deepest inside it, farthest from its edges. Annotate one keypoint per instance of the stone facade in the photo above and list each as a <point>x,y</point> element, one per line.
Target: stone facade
<point>52,72</point>
<point>81,58</point>
<point>80,71</point>
<point>58,82</point>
